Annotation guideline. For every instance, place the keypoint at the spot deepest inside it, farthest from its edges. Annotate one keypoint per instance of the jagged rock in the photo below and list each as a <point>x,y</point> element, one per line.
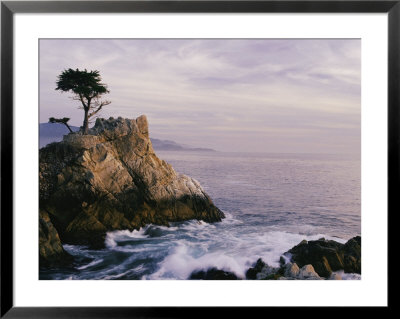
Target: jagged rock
<point>51,251</point>
<point>262,271</point>
<point>253,271</point>
<point>327,256</point>
<point>268,272</point>
<point>352,255</point>
<point>307,272</point>
<point>111,179</point>
<point>213,274</point>
<point>291,270</point>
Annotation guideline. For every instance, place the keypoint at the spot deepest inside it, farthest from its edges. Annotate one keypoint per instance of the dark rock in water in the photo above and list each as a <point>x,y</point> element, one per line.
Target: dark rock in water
<point>251,273</point>
<point>51,251</point>
<point>328,255</point>
<point>213,274</point>
<point>262,271</point>
<point>352,255</point>
<point>111,179</point>
<point>275,276</point>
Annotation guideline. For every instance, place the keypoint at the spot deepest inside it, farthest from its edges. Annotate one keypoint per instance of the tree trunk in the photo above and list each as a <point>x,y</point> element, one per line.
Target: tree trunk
<point>68,127</point>
<point>86,121</point>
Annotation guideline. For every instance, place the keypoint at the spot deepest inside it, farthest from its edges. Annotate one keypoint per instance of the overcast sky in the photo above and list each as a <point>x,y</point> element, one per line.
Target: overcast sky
<point>258,95</point>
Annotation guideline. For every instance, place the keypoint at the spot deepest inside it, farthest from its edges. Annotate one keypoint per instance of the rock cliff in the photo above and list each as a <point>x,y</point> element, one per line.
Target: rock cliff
<point>51,251</point>
<point>111,179</point>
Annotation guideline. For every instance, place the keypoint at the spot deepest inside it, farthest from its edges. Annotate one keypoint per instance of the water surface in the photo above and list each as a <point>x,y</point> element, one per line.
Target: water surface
<point>271,202</point>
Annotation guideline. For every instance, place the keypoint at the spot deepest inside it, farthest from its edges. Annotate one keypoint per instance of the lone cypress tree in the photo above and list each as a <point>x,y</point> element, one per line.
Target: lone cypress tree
<point>87,88</point>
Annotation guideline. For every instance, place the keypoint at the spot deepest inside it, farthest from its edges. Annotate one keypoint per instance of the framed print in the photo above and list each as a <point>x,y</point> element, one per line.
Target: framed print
<point>161,155</point>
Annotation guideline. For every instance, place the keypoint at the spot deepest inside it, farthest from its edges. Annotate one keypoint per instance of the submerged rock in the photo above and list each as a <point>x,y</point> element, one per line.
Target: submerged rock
<point>111,179</point>
<point>327,256</point>
<point>213,274</point>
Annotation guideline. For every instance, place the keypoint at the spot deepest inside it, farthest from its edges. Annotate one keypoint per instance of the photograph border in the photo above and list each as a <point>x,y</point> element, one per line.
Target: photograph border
<point>9,8</point>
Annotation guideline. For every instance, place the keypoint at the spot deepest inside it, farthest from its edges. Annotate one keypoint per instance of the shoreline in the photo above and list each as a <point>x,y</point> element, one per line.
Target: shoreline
<point>302,268</point>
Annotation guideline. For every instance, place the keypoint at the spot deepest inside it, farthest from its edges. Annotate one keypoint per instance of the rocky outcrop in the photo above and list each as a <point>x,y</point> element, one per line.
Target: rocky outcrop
<point>288,271</point>
<point>312,260</point>
<point>309,260</point>
<point>307,272</point>
<point>111,179</point>
<point>327,256</point>
<point>51,251</point>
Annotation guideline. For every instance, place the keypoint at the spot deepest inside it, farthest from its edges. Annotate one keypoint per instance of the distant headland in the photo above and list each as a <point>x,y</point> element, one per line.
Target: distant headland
<point>54,132</point>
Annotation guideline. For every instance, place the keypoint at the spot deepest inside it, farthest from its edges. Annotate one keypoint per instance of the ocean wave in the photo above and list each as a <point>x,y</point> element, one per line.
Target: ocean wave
<point>93,263</point>
<point>128,273</point>
<point>112,238</point>
<point>182,262</point>
<point>175,252</point>
<point>227,252</point>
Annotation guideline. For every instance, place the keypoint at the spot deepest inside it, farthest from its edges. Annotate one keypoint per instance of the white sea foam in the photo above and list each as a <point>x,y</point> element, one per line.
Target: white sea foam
<point>116,276</point>
<point>192,246</point>
<point>348,276</point>
<point>119,235</point>
<point>93,263</point>
<point>181,263</point>
<point>128,272</point>
<point>75,248</point>
<point>226,252</point>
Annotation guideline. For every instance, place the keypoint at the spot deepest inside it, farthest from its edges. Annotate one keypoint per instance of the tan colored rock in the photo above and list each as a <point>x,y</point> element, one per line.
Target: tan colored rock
<point>291,270</point>
<point>307,272</point>
<point>327,256</point>
<point>111,179</point>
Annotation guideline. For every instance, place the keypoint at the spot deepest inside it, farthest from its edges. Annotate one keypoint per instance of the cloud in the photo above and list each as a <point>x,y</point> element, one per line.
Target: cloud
<point>203,92</point>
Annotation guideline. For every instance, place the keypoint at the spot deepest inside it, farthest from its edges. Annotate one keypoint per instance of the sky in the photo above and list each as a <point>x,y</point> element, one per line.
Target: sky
<point>233,95</point>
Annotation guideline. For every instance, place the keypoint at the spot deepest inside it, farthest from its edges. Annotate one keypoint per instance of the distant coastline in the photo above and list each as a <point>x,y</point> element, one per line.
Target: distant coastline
<point>54,132</point>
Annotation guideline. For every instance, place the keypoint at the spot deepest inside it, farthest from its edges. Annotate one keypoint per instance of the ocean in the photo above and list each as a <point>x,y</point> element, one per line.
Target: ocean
<point>271,203</point>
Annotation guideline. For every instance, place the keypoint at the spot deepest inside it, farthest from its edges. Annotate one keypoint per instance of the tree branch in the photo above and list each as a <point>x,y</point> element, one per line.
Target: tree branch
<point>99,108</point>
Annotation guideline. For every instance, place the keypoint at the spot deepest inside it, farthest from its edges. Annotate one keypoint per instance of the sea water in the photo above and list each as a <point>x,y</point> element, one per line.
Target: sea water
<point>271,203</point>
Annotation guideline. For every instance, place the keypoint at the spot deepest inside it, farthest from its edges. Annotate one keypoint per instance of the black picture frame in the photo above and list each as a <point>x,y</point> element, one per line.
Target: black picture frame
<point>9,8</point>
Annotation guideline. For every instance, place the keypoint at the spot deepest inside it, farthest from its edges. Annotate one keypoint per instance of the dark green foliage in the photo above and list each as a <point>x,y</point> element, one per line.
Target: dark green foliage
<point>64,121</point>
<point>82,83</point>
<point>87,88</point>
